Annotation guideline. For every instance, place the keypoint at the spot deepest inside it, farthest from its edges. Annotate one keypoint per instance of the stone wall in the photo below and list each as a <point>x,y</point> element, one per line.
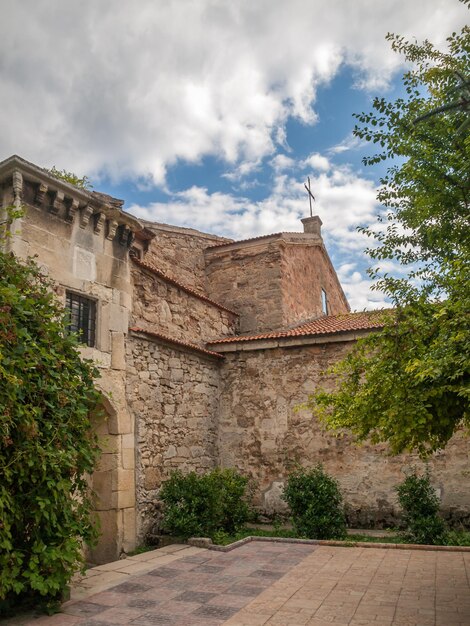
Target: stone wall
<point>83,244</point>
<point>161,306</point>
<point>179,253</point>
<point>173,396</point>
<point>262,434</point>
<point>247,279</point>
<point>306,270</point>
<point>274,282</point>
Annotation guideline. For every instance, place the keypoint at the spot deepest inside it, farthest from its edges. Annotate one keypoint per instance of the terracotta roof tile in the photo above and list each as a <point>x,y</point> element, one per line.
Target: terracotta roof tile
<point>177,342</point>
<point>327,325</point>
<point>172,281</point>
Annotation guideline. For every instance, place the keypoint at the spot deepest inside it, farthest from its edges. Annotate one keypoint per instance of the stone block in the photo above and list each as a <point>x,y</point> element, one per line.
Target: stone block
<point>107,462</point>
<point>129,529</point>
<point>177,375</point>
<point>118,318</point>
<point>103,488</point>
<point>125,499</point>
<point>102,360</point>
<point>120,423</point>
<point>118,351</point>
<point>144,391</point>
<point>152,478</point>
<point>272,499</point>
<point>84,264</point>
<point>109,444</point>
<point>123,480</point>
<point>128,441</point>
<point>108,548</point>
<point>126,300</point>
<point>128,458</point>
<point>170,452</point>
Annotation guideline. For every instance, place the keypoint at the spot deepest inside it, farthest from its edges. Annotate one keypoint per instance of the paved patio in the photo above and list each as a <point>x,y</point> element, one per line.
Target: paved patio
<point>263,583</point>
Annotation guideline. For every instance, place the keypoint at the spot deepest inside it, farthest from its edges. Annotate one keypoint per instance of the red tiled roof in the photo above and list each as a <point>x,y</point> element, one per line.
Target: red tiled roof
<point>177,342</point>
<point>185,288</point>
<point>327,325</point>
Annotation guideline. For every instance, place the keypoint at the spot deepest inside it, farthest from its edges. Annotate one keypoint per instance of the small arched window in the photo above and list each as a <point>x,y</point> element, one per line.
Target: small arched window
<point>324,302</point>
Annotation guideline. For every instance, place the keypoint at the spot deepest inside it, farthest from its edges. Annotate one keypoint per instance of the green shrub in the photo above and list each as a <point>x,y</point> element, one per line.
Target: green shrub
<point>420,506</point>
<point>46,445</point>
<point>200,505</point>
<point>316,504</point>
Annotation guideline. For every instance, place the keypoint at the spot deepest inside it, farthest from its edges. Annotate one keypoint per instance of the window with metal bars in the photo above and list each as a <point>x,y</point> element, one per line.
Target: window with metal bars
<point>82,312</point>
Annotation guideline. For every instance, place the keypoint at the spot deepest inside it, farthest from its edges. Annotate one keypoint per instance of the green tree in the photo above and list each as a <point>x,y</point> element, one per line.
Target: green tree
<point>409,384</point>
<point>46,444</point>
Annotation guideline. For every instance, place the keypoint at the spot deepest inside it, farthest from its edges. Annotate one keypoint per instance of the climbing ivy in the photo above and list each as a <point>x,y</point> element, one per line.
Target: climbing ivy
<point>46,445</point>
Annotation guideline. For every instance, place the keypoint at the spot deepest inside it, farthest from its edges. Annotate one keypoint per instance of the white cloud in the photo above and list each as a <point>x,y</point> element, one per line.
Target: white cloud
<point>317,162</point>
<point>282,162</point>
<point>127,89</point>
<point>344,201</point>
<point>349,143</point>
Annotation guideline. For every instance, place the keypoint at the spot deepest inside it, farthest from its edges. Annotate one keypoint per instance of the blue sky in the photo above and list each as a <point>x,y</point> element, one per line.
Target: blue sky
<point>212,114</point>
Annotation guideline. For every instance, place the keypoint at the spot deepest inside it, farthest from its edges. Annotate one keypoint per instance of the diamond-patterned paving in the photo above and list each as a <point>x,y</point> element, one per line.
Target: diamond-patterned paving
<point>274,584</point>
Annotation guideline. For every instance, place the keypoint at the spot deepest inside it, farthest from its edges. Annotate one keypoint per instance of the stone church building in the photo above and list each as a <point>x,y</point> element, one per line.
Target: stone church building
<point>206,347</point>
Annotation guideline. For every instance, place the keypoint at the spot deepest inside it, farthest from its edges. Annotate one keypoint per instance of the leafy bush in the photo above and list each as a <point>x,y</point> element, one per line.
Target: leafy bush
<point>46,445</point>
<point>200,505</point>
<point>316,504</point>
<point>420,506</point>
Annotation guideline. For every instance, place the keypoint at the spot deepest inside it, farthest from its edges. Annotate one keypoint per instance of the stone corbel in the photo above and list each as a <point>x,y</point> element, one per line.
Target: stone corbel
<point>112,227</point>
<point>100,219</point>
<point>57,202</point>
<point>18,187</point>
<point>71,210</point>
<point>85,215</point>
<point>41,194</point>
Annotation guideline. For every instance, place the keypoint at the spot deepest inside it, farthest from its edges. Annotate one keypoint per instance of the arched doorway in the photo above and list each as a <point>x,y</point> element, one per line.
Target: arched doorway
<point>113,486</point>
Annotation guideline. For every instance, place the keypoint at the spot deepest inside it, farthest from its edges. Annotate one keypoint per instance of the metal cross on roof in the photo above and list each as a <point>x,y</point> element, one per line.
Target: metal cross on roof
<point>310,195</point>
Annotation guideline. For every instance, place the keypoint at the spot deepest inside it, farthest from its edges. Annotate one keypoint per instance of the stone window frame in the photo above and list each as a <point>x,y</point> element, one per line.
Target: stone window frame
<point>92,332</point>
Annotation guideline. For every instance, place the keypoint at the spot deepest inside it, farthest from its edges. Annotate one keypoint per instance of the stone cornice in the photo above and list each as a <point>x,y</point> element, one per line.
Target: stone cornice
<point>76,197</point>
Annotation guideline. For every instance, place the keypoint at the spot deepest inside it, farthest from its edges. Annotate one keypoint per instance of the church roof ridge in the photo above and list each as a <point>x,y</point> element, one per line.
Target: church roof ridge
<point>234,242</point>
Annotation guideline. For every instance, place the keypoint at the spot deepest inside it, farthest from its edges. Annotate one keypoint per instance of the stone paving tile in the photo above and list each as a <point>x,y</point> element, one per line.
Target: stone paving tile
<point>86,608</point>
<point>130,587</point>
<point>195,596</point>
<point>263,584</point>
<point>365,587</point>
<point>213,610</point>
<point>201,589</point>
